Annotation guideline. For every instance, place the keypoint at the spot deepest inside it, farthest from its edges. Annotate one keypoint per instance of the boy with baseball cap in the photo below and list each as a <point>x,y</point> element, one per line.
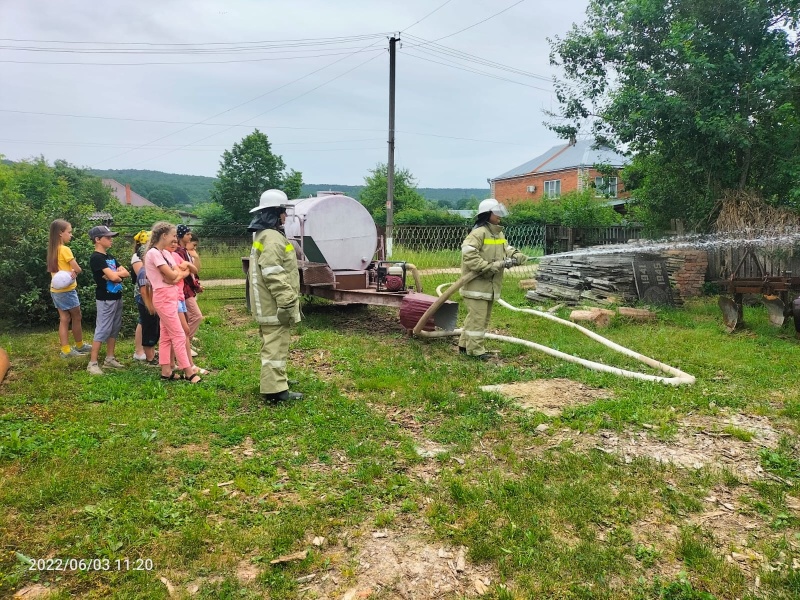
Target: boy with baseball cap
<point>108,276</point>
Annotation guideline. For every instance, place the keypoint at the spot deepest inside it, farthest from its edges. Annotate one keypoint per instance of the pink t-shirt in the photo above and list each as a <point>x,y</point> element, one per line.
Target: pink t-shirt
<point>178,259</point>
<point>152,261</point>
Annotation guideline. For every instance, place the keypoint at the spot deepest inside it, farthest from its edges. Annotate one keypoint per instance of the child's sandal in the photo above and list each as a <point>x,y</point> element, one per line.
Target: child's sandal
<point>194,379</point>
<point>174,376</point>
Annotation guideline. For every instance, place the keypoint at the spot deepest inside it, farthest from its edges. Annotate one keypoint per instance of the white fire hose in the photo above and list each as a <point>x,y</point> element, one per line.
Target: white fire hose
<point>679,377</point>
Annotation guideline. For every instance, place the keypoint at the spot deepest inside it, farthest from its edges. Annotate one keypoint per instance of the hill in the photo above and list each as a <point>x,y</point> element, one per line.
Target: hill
<point>184,191</point>
<point>164,189</point>
<point>449,197</point>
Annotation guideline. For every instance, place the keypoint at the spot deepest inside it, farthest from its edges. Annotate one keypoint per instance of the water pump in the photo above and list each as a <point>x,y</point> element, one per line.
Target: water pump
<point>390,276</point>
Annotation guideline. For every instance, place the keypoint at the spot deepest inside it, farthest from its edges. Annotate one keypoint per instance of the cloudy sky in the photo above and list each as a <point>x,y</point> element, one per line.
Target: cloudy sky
<point>86,81</point>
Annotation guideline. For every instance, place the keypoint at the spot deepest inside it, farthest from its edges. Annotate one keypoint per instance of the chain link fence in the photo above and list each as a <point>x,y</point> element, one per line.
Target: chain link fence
<point>432,249</point>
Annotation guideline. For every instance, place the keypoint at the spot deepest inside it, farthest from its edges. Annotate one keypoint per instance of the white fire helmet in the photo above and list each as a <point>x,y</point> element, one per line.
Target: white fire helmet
<point>270,199</point>
<point>493,206</point>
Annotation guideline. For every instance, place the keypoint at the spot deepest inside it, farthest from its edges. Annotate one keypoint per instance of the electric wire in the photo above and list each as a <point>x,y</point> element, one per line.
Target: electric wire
<point>426,16</point>
<point>444,37</point>
<point>259,126</point>
<point>174,63</point>
<point>297,41</point>
<point>262,113</point>
<point>246,102</point>
<point>458,54</point>
<point>460,68</point>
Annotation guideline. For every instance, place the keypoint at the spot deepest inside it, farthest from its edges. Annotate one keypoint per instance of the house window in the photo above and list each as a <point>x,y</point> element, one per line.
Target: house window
<point>605,186</point>
<point>552,188</point>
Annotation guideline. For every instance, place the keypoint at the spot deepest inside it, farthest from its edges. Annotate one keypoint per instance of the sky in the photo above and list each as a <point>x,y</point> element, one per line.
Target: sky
<point>311,74</point>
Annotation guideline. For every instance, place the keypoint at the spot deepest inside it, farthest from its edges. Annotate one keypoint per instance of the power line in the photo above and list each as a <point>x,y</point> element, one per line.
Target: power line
<point>198,146</point>
<point>259,126</point>
<point>170,122</point>
<point>426,16</point>
<point>151,63</point>
<point>247,102</point>
<point>465,56</point>
<point>479,22</point>
<point>118,43</point>
<point>468,70</point>
<point>266,111</point>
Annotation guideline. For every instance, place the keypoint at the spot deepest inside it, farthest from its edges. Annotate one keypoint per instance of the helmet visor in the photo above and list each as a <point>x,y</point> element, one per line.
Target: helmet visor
<point>500,210</point>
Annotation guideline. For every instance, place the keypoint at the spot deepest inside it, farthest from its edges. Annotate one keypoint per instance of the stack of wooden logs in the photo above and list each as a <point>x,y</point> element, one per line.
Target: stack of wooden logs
<point>601,279</point>
<point>607,279</point>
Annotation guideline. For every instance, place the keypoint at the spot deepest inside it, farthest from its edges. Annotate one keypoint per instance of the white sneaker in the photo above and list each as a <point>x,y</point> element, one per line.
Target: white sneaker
<point>194,352</point>
<point>94,369</point>
<point>141,357</point>
<point>113,363</point>
<point>71,354</point>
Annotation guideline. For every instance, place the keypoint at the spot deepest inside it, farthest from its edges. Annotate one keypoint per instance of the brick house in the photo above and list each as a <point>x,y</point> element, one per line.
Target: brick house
<point>564,168</point>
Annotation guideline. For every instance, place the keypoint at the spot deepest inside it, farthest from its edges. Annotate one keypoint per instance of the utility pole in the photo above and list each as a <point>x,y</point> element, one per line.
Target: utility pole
<point>390,163</point>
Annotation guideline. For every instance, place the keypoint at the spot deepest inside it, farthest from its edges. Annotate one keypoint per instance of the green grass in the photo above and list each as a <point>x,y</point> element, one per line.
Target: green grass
<point>127,466</point>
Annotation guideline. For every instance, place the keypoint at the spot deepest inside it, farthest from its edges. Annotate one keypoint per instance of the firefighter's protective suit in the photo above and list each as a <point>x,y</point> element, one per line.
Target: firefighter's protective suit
<point>274,296</point>
<point>483,251</point>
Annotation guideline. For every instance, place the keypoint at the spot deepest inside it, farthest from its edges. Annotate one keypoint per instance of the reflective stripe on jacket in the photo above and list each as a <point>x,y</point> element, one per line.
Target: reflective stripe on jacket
<point>483,246</point>
<point>274,278</point>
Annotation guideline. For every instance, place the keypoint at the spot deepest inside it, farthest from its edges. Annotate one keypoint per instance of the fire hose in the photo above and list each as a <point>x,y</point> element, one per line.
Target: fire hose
<point>679,377</point>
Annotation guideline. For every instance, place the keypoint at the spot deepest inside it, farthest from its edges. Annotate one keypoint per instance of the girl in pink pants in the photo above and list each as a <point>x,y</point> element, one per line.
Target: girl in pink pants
<point>165,276</point>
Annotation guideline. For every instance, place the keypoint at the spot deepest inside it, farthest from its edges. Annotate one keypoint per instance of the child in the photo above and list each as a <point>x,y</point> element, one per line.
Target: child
<point>182,310</point>
<point>108,276</point>
<point>147,329</point>
<point>165,276</point>
<point>65,299</point>
<point>187,250</point>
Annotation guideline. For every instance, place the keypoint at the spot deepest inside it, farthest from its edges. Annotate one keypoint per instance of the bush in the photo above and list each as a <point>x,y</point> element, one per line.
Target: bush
<point>573,209</point>
<point>32,195</point>
<point>428,216</point>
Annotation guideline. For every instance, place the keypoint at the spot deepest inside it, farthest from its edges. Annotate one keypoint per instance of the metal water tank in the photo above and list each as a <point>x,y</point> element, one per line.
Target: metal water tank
<point>334,229</point>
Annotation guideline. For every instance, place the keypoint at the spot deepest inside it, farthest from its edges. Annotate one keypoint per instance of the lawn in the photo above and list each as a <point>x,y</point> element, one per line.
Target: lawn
<point>397,476</point>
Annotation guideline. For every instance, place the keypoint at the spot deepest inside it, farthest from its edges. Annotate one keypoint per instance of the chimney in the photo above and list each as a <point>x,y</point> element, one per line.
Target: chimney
<point>127,194</point>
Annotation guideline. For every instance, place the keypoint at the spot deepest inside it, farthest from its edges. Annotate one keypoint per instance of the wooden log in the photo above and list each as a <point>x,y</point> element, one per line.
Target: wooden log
<point>527,284</point>
<point>600,319</point>
<point>639,314</point>
<point>5,364</point>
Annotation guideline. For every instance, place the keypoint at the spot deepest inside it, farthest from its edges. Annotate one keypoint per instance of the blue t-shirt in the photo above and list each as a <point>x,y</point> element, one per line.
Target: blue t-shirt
<point>105,289</point>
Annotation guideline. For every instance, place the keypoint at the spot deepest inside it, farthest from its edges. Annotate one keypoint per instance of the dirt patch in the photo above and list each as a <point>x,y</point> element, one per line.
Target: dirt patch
<point>701,442</point>
<point>319,361</point>
<point>244,450</point>
<point>398,565</point>
<point>235,315</point>
<point>35,591</point>
<point>548,396</point>
<point>359,318</point>
<point>191,449</point>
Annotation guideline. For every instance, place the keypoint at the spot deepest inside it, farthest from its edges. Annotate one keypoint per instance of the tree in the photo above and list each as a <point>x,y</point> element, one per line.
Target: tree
<point>162,196</point>
<point>247,170</point>
<point>406,196</point>
<point>32,195</point>
<point>705,94</point>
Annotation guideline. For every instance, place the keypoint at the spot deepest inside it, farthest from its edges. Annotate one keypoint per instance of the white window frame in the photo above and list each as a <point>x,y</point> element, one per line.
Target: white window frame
<point>552,188</point>
<point>606,186</point>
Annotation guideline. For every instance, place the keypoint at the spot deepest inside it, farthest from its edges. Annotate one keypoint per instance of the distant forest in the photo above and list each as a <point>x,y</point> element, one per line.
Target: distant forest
<point>170,190</point>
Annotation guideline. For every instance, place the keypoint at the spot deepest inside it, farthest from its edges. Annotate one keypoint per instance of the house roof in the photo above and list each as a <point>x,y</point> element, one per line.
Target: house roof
<point>567,156</point>
<point>118,191</point>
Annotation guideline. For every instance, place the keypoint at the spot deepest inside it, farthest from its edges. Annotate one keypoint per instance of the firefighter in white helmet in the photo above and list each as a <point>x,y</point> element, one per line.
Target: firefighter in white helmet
<point>274,292</point>
<point>485,251</point>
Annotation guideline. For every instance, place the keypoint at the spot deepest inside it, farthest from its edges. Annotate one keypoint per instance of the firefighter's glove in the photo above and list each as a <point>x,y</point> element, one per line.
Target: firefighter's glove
<point>510,262</point>
<point>496,266</point>
<point>285,316</point>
